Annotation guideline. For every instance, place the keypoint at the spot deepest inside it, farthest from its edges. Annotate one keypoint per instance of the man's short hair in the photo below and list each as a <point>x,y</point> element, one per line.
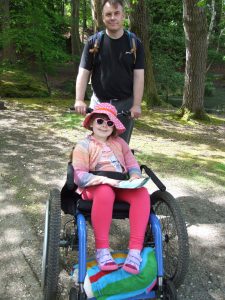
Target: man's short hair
<point>112,2</point>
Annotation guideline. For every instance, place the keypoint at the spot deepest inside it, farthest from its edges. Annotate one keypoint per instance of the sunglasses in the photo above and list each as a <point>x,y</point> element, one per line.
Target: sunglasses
<point>100,121</point>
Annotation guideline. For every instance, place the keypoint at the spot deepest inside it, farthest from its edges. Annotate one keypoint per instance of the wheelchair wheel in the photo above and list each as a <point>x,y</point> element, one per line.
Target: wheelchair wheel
<point>50,259</point>
<point>75,295</point>
<point>174,234</point>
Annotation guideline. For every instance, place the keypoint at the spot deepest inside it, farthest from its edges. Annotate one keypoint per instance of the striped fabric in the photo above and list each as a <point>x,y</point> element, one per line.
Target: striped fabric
<point>120,284</point>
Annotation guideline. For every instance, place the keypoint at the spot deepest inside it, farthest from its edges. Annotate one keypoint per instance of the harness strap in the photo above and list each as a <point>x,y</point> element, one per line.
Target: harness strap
<point>97,42</point>
<point>134,49</point>
<point>112,175</point>
<point>132,40</point>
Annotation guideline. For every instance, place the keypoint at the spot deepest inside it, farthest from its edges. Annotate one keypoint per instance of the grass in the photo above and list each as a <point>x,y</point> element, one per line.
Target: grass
<point>17,83</point>
<point>188,149</point>
<point>45,103</point>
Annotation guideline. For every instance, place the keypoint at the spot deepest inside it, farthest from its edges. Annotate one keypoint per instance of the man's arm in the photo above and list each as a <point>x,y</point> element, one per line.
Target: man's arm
<point>138,89</point>
<point>81,85</point>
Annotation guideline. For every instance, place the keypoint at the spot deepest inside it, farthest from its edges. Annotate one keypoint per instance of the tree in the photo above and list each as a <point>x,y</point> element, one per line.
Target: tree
<point>75,36</point>
<point>96,9</point>
<point>139,25</point>
<point>7,49</point>
<point>195,28</point>
<point>216,32</point>
<point>37,34</point>
<point>167,46</point>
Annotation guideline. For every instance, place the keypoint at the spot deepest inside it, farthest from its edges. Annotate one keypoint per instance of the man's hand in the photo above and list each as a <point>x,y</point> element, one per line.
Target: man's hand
<point>135,111</point>
<point>80,107</point>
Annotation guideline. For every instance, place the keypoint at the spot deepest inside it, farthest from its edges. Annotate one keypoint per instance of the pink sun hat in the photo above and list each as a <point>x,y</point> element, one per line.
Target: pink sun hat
<point>110,111</point>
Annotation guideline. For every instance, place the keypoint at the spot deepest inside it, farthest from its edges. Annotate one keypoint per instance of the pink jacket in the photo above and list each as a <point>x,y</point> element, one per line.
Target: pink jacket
<point>86,156</point>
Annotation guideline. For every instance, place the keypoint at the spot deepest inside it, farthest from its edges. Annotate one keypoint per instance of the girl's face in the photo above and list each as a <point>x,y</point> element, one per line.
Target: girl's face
<point>102,127</point>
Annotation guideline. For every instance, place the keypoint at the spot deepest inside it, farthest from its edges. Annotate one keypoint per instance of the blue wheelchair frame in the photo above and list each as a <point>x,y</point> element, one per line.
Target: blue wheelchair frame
<point>82,255</point>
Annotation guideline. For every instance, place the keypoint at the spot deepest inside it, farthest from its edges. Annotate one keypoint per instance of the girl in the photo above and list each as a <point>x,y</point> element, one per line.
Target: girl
<point>103,150</point>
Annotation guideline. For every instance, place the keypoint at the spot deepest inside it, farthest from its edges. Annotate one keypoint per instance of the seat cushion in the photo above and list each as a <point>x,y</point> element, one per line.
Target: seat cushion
<point>120,208</point>
<point>71,202</point>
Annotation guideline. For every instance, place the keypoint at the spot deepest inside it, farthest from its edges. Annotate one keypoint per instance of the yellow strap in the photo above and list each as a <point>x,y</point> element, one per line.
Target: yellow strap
<point>134,49</point>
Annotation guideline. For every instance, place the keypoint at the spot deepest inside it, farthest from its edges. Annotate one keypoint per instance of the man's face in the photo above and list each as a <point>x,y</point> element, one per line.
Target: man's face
<point>113,17</point>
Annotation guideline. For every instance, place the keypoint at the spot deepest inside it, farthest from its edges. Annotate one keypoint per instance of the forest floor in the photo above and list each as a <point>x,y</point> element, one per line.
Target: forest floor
<point>188,157</point>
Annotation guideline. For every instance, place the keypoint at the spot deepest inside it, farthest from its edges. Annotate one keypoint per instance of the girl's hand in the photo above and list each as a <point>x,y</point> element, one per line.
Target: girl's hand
<point>134,176</point>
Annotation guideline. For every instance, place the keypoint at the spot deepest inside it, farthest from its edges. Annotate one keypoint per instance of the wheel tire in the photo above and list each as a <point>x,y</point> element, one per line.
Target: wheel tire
<point>174,234</point>
<point>73,294</point>
<point>50,259</point>
<point>169,291</point>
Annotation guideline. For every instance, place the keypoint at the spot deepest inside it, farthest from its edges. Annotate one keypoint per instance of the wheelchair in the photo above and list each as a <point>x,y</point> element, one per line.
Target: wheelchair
<point>166,234</point>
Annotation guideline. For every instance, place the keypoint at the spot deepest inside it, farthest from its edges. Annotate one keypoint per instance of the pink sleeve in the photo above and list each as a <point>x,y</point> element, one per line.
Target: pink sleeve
<point>81,164</point>
<point>130,161</point>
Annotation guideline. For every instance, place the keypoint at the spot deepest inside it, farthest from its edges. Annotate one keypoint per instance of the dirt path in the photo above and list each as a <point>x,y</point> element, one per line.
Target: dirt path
<point>33,159</point>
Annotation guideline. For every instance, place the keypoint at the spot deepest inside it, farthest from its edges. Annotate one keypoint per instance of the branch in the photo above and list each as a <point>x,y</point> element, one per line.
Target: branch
<point>217,49</point>
<point>211,25</point>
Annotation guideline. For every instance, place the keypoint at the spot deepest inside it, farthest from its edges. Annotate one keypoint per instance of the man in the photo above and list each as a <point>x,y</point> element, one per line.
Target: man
<point>117,76</point>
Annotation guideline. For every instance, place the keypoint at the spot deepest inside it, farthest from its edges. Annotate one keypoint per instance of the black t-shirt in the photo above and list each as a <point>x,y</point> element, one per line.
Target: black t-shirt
<point>112,67</point>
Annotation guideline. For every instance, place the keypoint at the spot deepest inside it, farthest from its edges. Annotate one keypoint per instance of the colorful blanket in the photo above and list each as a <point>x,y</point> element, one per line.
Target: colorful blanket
<point>119,284</point>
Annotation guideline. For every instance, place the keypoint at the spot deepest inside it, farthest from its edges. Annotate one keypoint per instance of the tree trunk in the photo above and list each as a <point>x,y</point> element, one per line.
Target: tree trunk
<point>84,23</point>
<point>219,12</point>
<point>139,25</point>
<point>75,36</point>
<point>7,51</point>
<point>96,10</point>
<point>195,28</point>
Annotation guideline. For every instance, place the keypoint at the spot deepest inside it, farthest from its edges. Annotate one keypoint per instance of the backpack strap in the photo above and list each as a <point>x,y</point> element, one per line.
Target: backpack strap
<point>98,37</point>
<point>133,43</point>
<point>97,40</point>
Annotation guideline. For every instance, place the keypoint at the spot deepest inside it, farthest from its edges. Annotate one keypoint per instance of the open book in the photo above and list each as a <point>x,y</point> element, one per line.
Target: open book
<point>134,184</point>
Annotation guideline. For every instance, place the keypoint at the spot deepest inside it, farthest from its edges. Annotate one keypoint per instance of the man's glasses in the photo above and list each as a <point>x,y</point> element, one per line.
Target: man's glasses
<point>100,121</point>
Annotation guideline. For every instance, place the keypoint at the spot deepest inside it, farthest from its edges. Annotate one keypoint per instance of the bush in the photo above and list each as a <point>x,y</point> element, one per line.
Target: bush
<point>209,88</point>
<point>17,83</point>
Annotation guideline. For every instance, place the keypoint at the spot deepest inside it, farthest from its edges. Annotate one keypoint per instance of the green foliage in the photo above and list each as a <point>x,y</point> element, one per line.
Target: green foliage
<point>37,31</point>
<point>202,3</point>
<point>85,15</point>
<point>167,43</point>
<point>209,86</point>
<point>168,79</point>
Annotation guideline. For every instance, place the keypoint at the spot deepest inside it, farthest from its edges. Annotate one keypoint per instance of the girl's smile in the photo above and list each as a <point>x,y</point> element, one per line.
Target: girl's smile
<point>102,128</point>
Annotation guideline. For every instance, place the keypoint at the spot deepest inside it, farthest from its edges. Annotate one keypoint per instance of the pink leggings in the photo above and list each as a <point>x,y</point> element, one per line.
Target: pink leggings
<point>103,197</point>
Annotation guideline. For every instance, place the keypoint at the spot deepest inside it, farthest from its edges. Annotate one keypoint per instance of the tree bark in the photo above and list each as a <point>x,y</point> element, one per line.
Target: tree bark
<point>84,23</point>
<point>139,25</point>
<point>75,36</point>
<point>195,28</point>
<point>97,15</point>
<point>219,12</point>
<point>7,51</point>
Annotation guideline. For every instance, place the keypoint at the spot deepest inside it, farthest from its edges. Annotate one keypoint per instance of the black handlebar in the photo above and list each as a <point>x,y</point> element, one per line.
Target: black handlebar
<point>125,113</point>
<point>88,110</point>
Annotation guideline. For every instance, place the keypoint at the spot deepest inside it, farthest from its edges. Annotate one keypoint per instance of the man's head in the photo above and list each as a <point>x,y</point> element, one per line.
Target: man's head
<point>112,2</point>
<point>113,15</point>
